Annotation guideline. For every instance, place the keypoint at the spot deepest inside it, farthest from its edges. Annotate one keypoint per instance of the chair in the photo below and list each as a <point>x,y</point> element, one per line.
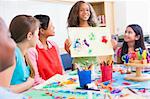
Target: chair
<point>67,61</point>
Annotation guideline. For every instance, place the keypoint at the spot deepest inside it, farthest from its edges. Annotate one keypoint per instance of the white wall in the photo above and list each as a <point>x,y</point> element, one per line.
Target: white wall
<point>149,19</point>
<point>120,16</point>
<point>126,12</point>
<point>132,12</point>
<point>58,13</point>
<point>137,12</point>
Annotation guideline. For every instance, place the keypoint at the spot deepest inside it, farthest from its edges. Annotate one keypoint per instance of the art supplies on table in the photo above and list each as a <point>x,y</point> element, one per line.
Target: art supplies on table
<point>117,88</point>
<point>106,69</point>
<point>78,88</point>
<point>84,77</point>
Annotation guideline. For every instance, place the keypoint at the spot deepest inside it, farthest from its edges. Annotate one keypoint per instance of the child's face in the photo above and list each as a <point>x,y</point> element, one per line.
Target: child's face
<point>34,38</point>
<point>129,35</point>
<point>84,12</point>
<point>50,30</point>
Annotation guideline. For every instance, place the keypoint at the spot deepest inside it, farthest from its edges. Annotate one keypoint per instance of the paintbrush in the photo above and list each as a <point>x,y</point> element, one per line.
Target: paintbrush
<point>79,68</point>
<point>132,91</point>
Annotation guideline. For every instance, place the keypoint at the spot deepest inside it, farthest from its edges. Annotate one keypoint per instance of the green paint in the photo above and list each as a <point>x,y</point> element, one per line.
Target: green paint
<point>92,36</point>
<point>90,51</point>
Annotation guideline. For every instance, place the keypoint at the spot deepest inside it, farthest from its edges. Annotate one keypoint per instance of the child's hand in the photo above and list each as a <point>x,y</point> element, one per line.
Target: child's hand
<point>30,80</point>
<point>114,43</point>
<point>67,45</point>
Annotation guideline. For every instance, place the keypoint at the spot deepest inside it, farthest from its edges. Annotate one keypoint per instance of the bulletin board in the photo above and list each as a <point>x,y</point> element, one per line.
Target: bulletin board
<point>90,41</point>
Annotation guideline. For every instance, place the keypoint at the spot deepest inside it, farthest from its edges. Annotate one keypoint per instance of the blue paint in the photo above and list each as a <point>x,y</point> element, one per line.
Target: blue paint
<point>115,91</point>
<point>77,43</point>
<point>125,58</point>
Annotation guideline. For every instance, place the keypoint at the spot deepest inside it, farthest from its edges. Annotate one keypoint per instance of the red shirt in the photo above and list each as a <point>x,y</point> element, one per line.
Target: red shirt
<point>48,62</point>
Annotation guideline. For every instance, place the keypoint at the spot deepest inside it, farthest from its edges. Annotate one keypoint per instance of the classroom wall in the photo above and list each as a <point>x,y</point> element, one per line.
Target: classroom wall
<point>126,12</point>
<point>120,16</point>
<point>58,13</point>
<point>137,12</point>
<point>129,12</point>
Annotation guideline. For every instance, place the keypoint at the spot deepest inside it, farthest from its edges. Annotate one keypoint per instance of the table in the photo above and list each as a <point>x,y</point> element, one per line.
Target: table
<point>139,90</point>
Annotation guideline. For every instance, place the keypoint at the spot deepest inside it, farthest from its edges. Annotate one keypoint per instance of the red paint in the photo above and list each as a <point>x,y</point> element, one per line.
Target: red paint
<point>104,40</point>
<point>126,83</point>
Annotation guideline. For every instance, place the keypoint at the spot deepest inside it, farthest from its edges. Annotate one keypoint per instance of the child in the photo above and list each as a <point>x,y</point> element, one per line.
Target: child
<point>133,38</point>
<point>45,57</point>
<point>7,55</point>
<point>81,15</point>
<point>24,31</point>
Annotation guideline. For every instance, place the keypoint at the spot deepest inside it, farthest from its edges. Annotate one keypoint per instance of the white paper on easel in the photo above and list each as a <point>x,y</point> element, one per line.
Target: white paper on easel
<point>90,41</point>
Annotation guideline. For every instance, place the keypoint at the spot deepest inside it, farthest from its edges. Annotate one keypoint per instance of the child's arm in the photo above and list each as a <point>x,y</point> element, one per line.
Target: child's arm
<point>114,43</point>
<point>67,45</point>
<point>6,75</point>
<point>22,87</point>
<point>119,56</point>
<point>32,52</point>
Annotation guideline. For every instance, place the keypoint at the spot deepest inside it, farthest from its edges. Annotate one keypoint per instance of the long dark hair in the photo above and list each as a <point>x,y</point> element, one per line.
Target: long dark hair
<point>138,43</point>
<point>73,18</point>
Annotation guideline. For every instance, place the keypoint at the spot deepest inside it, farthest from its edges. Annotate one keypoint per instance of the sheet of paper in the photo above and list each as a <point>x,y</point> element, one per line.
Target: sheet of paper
<point>90,41</point>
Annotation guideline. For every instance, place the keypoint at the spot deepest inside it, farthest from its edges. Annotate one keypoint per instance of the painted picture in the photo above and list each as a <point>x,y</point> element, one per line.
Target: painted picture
<point>90,41</point>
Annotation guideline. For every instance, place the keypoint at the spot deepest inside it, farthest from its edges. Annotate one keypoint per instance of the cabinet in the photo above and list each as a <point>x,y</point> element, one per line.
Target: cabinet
<point>105,14</point>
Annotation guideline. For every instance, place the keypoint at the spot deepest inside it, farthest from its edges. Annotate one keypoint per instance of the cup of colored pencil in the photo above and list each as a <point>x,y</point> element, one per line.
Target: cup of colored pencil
<point>106,69</point>
<point>84,75</point>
